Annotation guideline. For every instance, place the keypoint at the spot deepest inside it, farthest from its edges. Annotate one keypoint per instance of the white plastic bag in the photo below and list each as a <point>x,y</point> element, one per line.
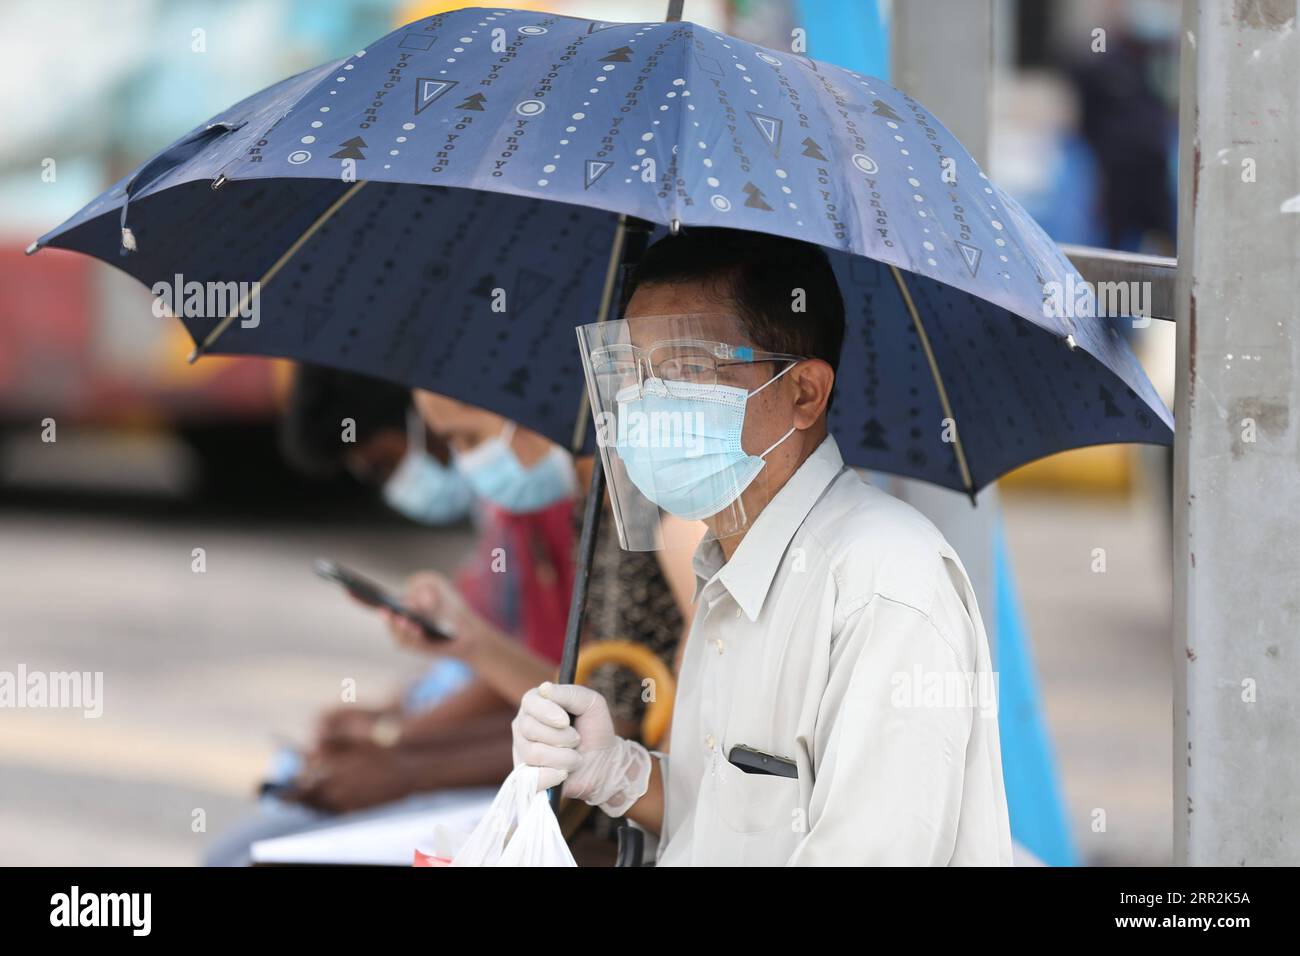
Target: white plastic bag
<point>519,829</point>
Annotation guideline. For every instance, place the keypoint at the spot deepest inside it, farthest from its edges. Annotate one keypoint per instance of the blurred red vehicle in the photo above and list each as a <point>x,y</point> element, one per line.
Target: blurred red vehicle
<point>79,343</point>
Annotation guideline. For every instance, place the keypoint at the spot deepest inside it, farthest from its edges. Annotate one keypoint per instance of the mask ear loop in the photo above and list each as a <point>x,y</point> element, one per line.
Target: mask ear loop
<point>507,435</point>
<point>772,379</point>
<point>759,389</point>
<point>778,441</point>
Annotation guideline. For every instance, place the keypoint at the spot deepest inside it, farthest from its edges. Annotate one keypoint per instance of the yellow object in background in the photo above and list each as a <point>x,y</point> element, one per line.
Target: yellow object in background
<point>418,9</point>
<point>173,370</point>
<point>642,662</point>
<point>1103,468</point>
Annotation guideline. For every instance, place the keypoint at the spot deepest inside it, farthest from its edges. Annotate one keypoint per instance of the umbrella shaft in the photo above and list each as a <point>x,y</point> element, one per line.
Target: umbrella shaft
<point>586,551</point>
<point>578,604</point>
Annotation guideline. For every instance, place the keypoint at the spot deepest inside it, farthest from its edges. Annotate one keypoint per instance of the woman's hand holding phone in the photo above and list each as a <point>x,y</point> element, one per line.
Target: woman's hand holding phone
<point>436,599</point>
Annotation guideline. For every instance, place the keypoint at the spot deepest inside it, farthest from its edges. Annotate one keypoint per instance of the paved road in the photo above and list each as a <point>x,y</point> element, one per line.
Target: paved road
<point>200,669</point>
<point>1102,644</point>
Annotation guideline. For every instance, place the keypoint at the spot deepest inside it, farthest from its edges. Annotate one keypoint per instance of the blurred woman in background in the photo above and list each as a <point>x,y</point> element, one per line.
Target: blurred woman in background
<point>505,610</point>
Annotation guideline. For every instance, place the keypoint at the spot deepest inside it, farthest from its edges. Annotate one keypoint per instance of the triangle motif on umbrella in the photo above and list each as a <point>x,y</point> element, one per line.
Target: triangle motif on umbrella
<point>427,90</point>
<point>970,255</point>
<point>770,128</point>
<point>528,287</point>
<point>595,168</point>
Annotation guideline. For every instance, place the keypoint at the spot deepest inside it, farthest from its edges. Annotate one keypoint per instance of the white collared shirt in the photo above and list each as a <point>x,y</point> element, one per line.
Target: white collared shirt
<point>842,635</point>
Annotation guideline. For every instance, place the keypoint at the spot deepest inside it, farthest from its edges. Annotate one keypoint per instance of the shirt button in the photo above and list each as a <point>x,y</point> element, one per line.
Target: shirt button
<point>708,741</point>
<point>738,612</point>
<point>720,645</point>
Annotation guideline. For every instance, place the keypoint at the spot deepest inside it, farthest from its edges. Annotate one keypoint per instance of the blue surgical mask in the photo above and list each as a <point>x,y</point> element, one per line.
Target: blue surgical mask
<point>423,488</point>
<point>496,475</point>
<point>708,468</point>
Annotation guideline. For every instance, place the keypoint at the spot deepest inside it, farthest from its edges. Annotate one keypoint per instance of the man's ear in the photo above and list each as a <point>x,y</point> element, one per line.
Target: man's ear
<point>812,380</point>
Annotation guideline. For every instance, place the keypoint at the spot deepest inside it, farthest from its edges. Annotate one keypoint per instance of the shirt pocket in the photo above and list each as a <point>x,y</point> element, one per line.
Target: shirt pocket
<point>755,802</point>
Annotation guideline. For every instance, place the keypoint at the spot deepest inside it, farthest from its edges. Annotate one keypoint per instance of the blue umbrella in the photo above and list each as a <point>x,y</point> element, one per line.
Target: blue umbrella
<point>439,209</point>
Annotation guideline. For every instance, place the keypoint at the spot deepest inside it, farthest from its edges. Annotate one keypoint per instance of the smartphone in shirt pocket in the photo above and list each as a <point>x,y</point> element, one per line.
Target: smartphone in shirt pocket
<point>756,791</point>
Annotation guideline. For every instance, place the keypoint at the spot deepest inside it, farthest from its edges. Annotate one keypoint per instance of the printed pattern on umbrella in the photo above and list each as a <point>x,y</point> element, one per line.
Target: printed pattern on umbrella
<point>495,148</point>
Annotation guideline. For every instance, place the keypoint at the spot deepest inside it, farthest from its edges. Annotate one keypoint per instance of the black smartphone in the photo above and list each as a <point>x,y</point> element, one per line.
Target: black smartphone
<point>755,761</point>
<point>370,593</point>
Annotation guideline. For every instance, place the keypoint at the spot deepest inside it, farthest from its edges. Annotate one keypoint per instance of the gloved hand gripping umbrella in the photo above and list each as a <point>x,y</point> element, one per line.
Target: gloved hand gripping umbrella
<point>444,207</point>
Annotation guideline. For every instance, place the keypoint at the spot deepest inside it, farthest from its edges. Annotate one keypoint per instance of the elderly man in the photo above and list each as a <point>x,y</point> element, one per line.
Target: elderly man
<point>835,702</point>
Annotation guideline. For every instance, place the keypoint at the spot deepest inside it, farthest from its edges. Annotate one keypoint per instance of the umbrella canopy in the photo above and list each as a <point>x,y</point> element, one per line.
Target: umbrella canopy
<point>439,208</point>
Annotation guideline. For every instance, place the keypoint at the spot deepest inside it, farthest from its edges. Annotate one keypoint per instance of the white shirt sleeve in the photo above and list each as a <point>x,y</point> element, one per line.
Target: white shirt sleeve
<point>889,776</point>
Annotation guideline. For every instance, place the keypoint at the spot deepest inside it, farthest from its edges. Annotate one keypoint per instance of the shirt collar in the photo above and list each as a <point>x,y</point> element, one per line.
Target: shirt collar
<point>748,575</point>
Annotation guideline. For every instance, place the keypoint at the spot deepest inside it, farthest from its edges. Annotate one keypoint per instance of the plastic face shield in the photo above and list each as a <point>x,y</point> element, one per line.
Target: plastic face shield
<point>676,428</point>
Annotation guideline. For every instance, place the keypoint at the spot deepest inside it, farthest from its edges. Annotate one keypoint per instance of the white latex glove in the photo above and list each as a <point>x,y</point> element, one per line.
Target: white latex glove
<point>595,765</point>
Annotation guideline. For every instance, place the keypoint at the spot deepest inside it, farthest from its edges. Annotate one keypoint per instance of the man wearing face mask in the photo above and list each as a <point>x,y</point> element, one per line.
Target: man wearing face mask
<point>802,733</point>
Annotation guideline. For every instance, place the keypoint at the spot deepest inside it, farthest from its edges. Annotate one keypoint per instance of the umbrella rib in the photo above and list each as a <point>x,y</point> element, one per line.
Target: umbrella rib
<point>270,273</point>
<point>938,380</point>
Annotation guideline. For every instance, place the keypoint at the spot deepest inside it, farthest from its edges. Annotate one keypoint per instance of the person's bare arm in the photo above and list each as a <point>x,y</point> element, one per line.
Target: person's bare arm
<point>501,662</point>
<point>368,775</point>
<point>481,761</point>
<point>505,664</point>
<point>458,715</point>
<point>649,810</point>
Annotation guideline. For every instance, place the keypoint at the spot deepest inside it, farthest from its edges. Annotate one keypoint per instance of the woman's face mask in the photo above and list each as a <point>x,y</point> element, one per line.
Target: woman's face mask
<point>494,472</point>
<point>423,488</point>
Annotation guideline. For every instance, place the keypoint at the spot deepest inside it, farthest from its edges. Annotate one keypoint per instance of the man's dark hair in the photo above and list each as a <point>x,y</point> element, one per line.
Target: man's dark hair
<point>760,272</point>
<point>320,398</point>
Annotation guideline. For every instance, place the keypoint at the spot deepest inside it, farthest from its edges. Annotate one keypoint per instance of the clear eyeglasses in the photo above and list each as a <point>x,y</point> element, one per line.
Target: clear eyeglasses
<point>693,362</point>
